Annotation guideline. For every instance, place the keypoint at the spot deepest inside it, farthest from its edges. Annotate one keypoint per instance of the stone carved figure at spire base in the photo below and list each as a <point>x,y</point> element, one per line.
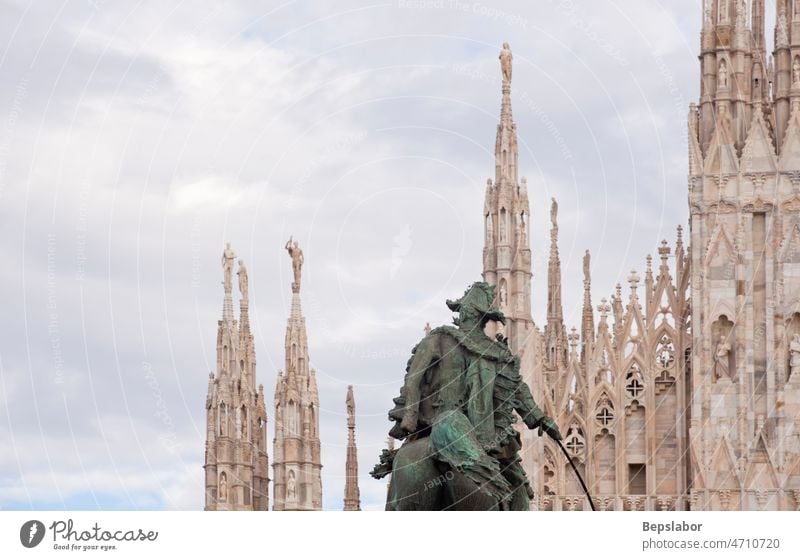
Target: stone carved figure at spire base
<point>794,353</point>
<point>722,365</point>
<point>723,75</point>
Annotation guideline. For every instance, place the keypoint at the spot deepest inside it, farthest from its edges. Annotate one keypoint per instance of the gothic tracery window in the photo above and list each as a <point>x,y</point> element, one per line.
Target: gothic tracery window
<point>605,413</point>
<point>665,352</point>
<point>575,442</point>
<point>634,385</point>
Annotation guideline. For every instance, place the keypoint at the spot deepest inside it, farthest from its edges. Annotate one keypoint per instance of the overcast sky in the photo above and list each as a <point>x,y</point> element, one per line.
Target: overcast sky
<point>136,138</point>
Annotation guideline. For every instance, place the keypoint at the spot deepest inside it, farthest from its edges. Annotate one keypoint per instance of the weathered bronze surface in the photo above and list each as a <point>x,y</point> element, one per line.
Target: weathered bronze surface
<point>455,414</point>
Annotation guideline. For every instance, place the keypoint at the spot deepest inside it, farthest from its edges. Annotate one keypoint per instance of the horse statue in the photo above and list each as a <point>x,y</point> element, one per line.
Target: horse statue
<point>455,415</point>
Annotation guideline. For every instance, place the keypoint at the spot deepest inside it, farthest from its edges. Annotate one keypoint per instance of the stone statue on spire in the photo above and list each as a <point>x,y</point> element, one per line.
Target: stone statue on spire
<point>587,260</point>
<point>554,212</point>
<point>297,262</point>
<point>351,407</point>
<point>505,63</point>
<point>242,274</point>
<point>227,267</point>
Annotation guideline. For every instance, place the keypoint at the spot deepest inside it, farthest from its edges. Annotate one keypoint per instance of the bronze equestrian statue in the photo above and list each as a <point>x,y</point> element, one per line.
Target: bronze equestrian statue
<point>455,414</point>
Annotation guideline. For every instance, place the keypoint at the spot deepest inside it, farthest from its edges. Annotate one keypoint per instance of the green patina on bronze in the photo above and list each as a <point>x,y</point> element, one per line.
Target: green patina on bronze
<point>455,414</point>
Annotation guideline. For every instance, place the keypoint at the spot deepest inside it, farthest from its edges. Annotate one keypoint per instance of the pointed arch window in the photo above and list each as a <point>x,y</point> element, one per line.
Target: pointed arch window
<point>605,412</point>
<point>665,352</point>
<point>575,441</point>
<point>634,384</point>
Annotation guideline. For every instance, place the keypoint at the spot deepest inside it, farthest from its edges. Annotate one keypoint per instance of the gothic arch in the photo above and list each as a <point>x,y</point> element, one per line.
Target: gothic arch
<point>604,413</point>
<point>550,477</point>
<point>575,439</point>
<point>635,382</point>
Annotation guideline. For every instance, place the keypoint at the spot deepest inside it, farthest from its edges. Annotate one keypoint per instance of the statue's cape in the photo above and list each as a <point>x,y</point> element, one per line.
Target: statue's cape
<point>492,378</point>
<point>454,442</point>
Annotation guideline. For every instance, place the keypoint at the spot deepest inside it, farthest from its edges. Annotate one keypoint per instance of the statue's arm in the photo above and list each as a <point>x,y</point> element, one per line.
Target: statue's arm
<point>527,408</point>
<point>423,357</point>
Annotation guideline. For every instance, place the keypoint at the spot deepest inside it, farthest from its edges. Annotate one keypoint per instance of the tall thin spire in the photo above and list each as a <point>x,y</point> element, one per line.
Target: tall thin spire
<point>555,332</point>
<point>506,214</point>
<point>587,321</point>
<point>352,496</point>
<point>296,447</point>
<point>247,346</point>
<point>236,466</point>
<point>505,152</point>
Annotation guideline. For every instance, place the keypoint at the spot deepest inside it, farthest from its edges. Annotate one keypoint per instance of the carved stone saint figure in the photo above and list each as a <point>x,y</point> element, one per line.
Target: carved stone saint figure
<point>505,62</point>
<point>796,71</point>
<point>297,260</point>
<point>227,266</point>
<point>723,74</point>
<point>242,274</point>
<point>238,423</point>
<point>351,404</point>
<point>223,488</point>
<point>794,355</point>
<point>554,212</point>
<point>587,259</point>
<point>291,487</point>
<point>722,358</point>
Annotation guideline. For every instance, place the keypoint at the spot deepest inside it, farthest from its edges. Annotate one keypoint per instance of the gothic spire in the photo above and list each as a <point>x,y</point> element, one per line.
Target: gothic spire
<point>757,23</point>
<point>555,312</point>
<point>352,497</point>
<point>505,152</point>
<point>247,346</point>
<point>555,332</point>
<point>587,321</point>
<point>296,447</point>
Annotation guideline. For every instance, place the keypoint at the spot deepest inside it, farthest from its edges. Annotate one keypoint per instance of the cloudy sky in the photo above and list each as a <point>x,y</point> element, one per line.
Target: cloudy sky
<point>136,138</point>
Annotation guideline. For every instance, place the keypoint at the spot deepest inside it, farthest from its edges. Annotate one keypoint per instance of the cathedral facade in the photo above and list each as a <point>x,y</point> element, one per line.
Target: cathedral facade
<point>684,393</point>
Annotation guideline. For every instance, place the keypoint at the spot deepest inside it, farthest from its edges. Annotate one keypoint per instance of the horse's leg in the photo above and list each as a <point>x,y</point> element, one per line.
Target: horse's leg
<point>416,483</point>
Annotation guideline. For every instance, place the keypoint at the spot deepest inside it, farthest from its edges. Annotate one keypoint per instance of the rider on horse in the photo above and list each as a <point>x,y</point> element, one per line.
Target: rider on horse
<point>460,394</point>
